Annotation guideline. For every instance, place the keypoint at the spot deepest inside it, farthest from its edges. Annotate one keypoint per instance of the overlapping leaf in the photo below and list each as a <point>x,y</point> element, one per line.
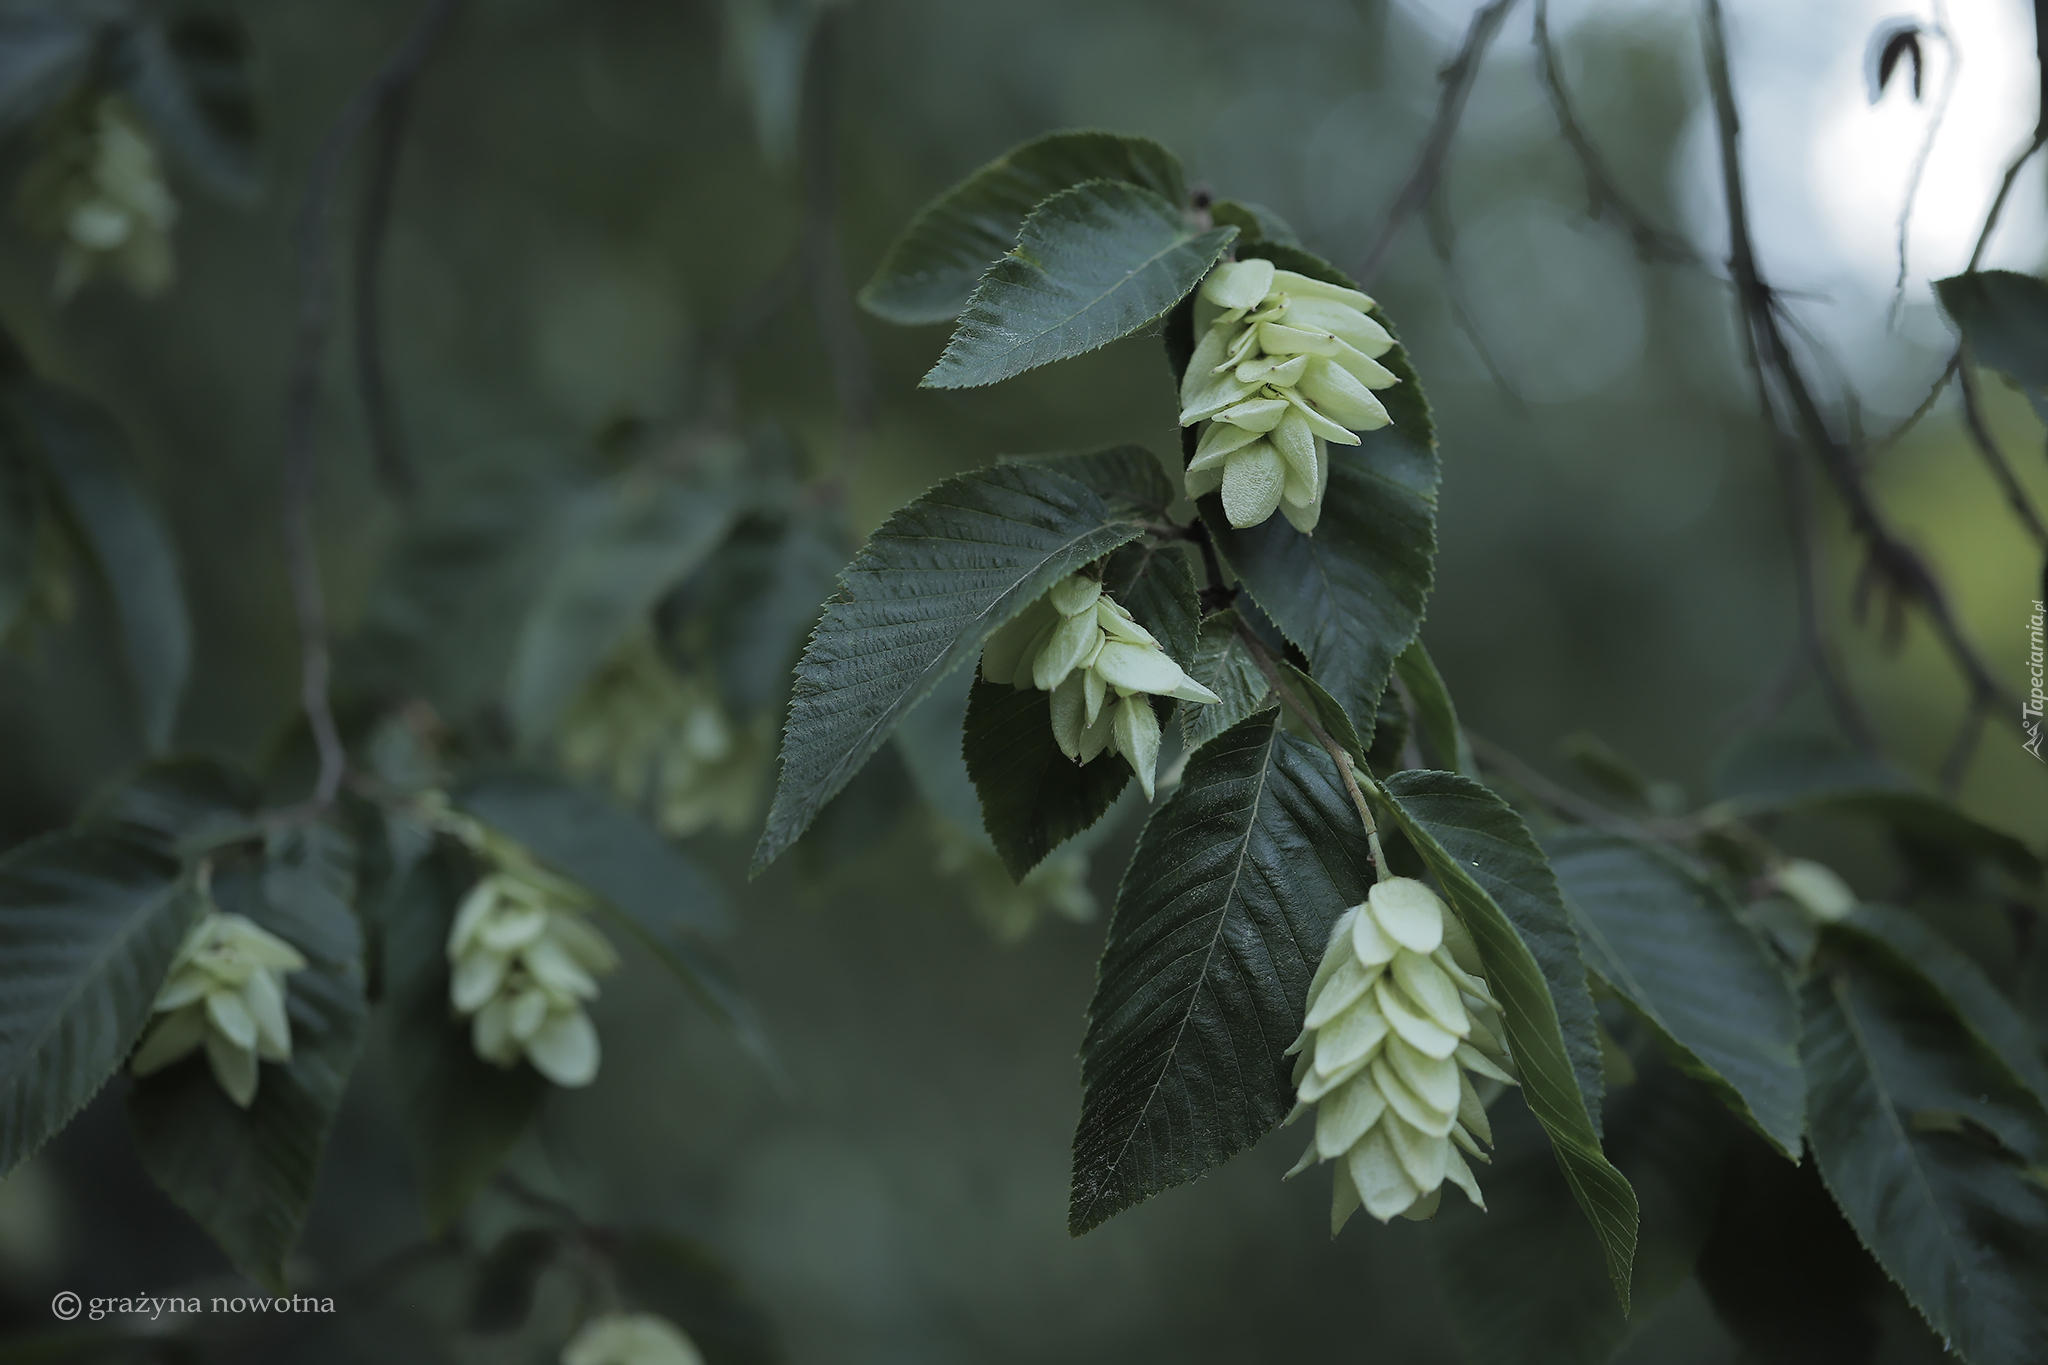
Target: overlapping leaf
<point>1435,715</point>
<point>1666,938</point>
<point>1926,1141</point>
<point>933,584</point>
<point>1223,663</point>
<point>1219,923</point>
<point>86,456</point>
<point>1498,880</point>
<point>1092,264</point>
<point>89,920</point>
<point>1351,596</point>
<point>2004,318</point>
<point>929,272</point>
<point>626,543</point>
<point>1033,797</point>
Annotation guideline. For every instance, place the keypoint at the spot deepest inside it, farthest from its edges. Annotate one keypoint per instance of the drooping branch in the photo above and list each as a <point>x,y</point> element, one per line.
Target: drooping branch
<point>831,301</point>
<point>1457,80</point>
<point>387,437</point>
<point>1779,370</point>
<point>1994,458</point>
<point>1652,242</point>
<point>311,238</point>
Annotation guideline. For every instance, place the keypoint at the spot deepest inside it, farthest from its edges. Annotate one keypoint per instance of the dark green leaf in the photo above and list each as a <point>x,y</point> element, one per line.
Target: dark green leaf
<point>933,584</point>
<point>686,1284</point>
<point>1219,923</point>
<point>1125,476</point>
<point>1666,938</point>
<point>1498,880</point>
<point>192,82</point>
<point>1308,694</point>
<point>1527,1281</point>
<point>1156,583</point>
<point>1435,716</point>
<point>747,611</point>
<point>461,1113</point>
<point>929,272</point>
<point>1956,1223</point>
<point>1092,264</point>
<point>1033,797</point>
<point>1807,773</point>
<point>1223,663</point>
<point>247,1175</point>
<point>89,921</point>
<point>182,806</point>
<point>1981,1006</point>
<point>87,458</point>
<point>605,847</point>
<point>2004,318</point>
<point>309,887</point>
<point>627,542</point>
<point>1254,222</point>
<point>1391,732</point>
<point>929,739</point>
<point>1608,770</point>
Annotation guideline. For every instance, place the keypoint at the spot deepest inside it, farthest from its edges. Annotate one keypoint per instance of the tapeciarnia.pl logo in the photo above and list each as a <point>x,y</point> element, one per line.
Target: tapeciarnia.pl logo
<point>2030,710</point>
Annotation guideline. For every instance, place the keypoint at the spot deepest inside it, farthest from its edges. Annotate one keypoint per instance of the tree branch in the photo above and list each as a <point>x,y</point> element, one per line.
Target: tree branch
<point>310,235</point>
<point>1900,566</point>
<point>1652,242</point>
<point>1457,79</point>
<point>1948,87</point>
<point>1994,458</point>
<point>831,301</point>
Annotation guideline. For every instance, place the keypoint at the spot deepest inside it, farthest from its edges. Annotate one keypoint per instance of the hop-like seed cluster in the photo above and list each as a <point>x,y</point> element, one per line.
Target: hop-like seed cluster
<point>1283,365</point>
<point>630,1339</point>
<point>1398,1024</point>
<point>656,736</point>
<point>226,989</point>
<point>524,961</point>
<point>1815,888</point>
<point>100,189</point>
<point>1101,668</point>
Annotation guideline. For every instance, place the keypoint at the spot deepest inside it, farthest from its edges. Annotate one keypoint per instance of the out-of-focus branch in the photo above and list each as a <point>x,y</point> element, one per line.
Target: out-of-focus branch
<point>1888,556</point>
<point>311,237</point>
<point>831,301</point>
<point>1652,242</point>
<point>1994,458</point>
<point>387,435</point>
<point>1948,86</point>
<point>2012,174</point>
<point>1457,80</point>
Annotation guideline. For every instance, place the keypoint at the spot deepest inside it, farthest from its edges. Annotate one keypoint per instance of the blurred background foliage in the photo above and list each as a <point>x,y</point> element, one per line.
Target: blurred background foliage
<point>598,256</point>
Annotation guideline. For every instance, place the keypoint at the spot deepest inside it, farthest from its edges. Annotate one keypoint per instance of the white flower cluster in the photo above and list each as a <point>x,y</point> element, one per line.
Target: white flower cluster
<point>524,962</point>
<point>652,733</point>
<point>100,189</point>
<point>1283,364</point>
<point>630,1339</point>
<point>1101,667</point>
<point>1398,1023</point>
<point>226,989</point>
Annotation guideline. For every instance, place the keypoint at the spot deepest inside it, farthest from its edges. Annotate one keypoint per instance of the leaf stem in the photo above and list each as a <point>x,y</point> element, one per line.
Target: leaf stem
<point>1337,752</point>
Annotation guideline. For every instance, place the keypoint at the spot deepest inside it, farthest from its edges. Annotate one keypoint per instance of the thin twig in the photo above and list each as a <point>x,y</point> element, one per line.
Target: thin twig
<point>1890,556</point>
<point>838,327</point>
<point>1955,765</point>
<point>1912,419</point>
<point>1443,242</point>
<point>2012,173</point>
<point>1948,86</point>
<point>1337,752</point>
<point>1994,458</point>
<point>315,315</point>
<point>1652,242</point>
<point>1457,79</point>
<point>387,435</point>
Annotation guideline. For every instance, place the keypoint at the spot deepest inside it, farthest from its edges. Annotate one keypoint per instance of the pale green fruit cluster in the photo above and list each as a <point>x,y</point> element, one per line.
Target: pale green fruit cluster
<point>1283,365</point>
<point>1816,888</point>
<point>1101,668</point>
<point>630,1339</point>
<point>661,738</point>
<point>1398,1023</point>
<point>524,962</point>
<point>226,989</point>
<point>99,187</point>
